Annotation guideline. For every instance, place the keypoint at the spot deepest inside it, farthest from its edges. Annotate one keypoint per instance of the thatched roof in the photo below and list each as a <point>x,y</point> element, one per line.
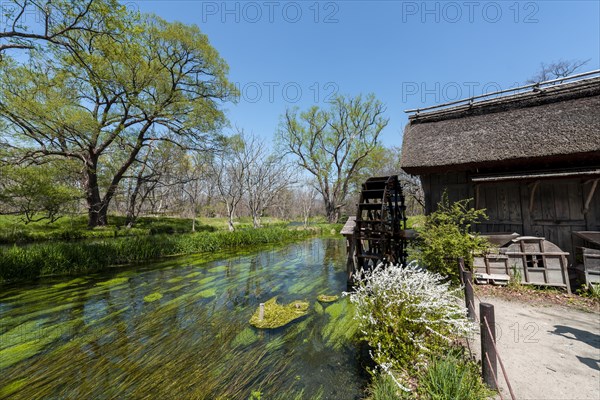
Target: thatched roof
<point>554,126</point>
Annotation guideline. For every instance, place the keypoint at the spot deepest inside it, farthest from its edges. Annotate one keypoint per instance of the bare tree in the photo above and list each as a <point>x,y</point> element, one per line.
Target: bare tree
<point>162,165</point>
<point>229,169</point>
<point>197,184</point>
<point>267,176</point>
<point>556,69</point>
<point>306,200</point>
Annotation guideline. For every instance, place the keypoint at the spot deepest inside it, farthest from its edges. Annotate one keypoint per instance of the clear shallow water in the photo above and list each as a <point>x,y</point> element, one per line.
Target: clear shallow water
<point>179,329</point>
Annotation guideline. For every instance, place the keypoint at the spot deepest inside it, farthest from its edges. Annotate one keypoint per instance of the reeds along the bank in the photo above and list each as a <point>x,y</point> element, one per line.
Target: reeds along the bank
<point>58,258</point>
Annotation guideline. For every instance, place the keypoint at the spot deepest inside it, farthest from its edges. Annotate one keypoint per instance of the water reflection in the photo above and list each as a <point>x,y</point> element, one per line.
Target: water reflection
<point>114,336</point>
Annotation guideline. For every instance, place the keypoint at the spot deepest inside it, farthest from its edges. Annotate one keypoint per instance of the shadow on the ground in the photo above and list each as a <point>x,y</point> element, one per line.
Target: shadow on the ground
<point>569,332</point>
<point>590,362</point>
<point>580,335</point>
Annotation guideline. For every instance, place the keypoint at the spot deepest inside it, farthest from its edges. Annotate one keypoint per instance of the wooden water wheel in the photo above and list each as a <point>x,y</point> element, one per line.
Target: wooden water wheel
<point>380,230</point>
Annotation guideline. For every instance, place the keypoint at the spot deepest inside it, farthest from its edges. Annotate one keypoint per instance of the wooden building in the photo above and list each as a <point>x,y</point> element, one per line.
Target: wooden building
<point>531,158</point>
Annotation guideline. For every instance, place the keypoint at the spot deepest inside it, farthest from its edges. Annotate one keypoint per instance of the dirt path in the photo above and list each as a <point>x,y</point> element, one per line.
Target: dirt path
<point>549,352</point>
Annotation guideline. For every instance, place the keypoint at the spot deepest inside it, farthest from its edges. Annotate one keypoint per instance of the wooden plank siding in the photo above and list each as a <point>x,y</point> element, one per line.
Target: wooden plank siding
<point>557,209</point>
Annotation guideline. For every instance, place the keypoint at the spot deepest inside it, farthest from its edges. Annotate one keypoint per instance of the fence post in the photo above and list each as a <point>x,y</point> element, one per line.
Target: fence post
<point>461,268</point>
<point>468,282</point>
<point>489,370</point>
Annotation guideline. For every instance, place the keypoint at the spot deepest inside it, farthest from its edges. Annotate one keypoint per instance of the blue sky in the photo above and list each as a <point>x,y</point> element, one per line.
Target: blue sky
<point>410,54</point>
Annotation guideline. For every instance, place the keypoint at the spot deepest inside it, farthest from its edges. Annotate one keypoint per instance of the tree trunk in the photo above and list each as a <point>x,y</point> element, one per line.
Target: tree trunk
<point>256,220</point>
<point>193,217</point>
<point>131,214</point>
<point>333,213</point>
<point>230,213</point>
<point>96,206</point>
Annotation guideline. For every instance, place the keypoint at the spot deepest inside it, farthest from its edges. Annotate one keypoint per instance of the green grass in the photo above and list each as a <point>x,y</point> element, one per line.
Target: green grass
<point>13,230</point>
<point>452,377</point>
<point>382,387</point>
<point>61,258</point>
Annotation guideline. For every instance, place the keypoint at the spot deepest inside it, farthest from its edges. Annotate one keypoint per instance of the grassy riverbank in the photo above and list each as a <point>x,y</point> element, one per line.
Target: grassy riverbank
<point>71,258</point>
<point>13,230</point>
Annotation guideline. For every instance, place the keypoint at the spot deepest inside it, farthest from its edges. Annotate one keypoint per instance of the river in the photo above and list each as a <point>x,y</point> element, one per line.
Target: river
<point>178,329</point>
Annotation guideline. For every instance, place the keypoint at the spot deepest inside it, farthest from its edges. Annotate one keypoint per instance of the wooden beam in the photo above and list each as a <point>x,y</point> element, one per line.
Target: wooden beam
<point>532,195</point>
<point>590,195</point>
<point>538,175</point>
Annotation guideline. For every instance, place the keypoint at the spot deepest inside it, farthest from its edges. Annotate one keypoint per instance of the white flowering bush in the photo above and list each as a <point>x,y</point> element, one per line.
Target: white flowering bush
<point>407,314</point>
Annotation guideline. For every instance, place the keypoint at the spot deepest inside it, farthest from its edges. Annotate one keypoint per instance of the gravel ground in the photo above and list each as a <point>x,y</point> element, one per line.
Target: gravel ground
<point>550,351</point>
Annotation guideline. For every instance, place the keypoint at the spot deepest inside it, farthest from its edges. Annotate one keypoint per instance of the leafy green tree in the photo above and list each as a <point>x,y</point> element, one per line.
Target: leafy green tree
<point>33,23</point>
<point>36,192</point>
<point>333,144</point>
<point>150,80</point>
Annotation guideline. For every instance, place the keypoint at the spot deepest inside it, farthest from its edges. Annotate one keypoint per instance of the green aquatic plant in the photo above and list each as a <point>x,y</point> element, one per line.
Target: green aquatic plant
<point>186,346</point>
<point>335,310</point>
<point>207,293</point>
<point>304,287</point>
<point>206,280</point>
<point>25,332</point>
<point>277,315</point>
<point>245,338</point>
<point>342,326</point>
<point>153,297</point>
<point>113,282</point>
<point>323,298</point>
<point>72,282</point>
<point>319,308</point>
<point>175,288</point>
<point>220,268</point>
<point>12,387</point>
<point>24,350</point>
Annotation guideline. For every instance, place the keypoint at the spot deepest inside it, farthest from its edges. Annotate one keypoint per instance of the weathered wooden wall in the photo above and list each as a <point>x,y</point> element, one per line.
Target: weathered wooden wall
<point>556,211</point>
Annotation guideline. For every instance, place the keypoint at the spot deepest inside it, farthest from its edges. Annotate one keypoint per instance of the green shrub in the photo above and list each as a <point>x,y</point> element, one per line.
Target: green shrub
<point>452,377</point>
<point>447,236</point>
<point>407,315</point>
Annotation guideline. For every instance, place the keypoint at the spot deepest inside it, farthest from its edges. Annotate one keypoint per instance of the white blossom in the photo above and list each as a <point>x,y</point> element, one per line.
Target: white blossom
<point>401,296</point>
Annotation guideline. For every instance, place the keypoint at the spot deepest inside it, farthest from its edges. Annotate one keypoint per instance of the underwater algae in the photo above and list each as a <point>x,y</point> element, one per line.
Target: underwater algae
<point>220,268</point>
<point>153,297</point>
<point>323,298</point>
<point>245,338</point>
<point>195,342</point>
<point>12,387</point>
<point>278,315</point>
<point>206,293</point>
<point>341,327</point>
<point>31,342</point>
<point>113,282</point>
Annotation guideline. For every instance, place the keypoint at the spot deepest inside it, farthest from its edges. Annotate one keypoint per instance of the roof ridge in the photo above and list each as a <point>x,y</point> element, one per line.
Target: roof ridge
<point>541,88</point>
